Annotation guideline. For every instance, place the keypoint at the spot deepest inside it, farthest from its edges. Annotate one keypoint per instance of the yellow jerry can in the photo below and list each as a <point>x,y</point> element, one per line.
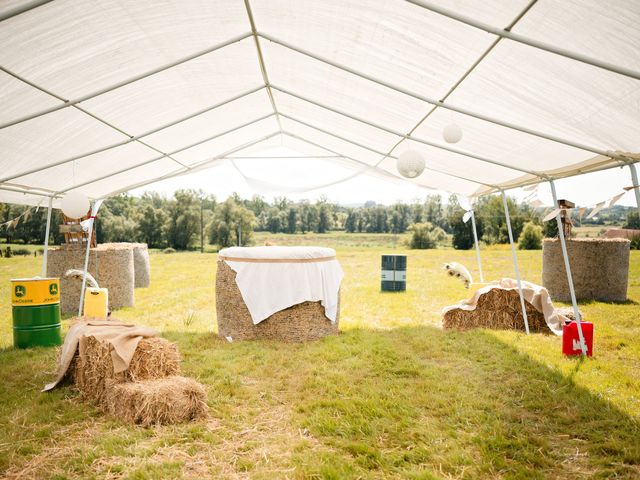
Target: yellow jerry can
<point>96,302</point>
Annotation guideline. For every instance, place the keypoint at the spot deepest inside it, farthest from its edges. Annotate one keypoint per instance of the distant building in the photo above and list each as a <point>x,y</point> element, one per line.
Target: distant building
<point>621,233</point>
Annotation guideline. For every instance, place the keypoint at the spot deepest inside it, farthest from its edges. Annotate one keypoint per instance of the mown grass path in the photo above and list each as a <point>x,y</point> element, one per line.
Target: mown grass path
<point>393,396</point>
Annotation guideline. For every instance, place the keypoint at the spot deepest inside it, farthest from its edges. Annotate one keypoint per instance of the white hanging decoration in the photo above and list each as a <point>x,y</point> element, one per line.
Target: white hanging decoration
<point>410,164</point>
<point>75,205</point>
<point>551,215</point>
<point>467,216</point>
<point>452,133</point>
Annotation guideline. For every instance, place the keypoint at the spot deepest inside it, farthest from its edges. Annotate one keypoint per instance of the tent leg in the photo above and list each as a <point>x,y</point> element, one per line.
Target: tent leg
<point>475,238</point>
<point>634,178</point>
<point>86,267</point>
<point>567,267</point>
<point>515,261</point>
<point>46,239</point>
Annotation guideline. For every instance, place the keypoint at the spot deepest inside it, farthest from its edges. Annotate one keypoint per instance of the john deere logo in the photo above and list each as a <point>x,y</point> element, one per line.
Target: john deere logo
<point>53,288</point>
<point>20,290</point>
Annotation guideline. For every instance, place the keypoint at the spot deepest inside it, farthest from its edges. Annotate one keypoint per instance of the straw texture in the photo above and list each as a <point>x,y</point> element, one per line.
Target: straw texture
<point>141,265</point>
<point>163,401</point>
<point>303,322</point>
<point>110,264</point>
<point>92,369</point>
<point>497,309</point>
<point>599,267</point>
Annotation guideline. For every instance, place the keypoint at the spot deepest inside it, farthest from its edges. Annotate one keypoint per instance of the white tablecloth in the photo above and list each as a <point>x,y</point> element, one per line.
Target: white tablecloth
<point>271,279</point>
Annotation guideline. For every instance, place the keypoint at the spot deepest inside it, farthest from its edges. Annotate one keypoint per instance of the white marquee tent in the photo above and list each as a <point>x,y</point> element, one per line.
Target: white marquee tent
<point>106,96</point>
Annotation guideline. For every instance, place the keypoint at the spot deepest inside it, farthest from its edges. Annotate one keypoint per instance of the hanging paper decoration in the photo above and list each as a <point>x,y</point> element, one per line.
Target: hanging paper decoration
<point>75,204</point>
<point>452,133</point>
<point>610,202</point>
<point>553,214</point>
<point>410,164</point>
<point>615,199</point>
<point>581,213</point>
<point>596,210</point>
<point>24,216</point>
<point>88,223</point>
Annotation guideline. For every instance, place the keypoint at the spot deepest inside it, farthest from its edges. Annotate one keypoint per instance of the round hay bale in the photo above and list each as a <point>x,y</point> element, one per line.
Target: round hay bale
<point>303,322</point>
<point>599,267</point>
<point>92,369</point>
<point>497,309</point>
<point>110,264</point>
<point>141,265</point>
<point>157,402</point>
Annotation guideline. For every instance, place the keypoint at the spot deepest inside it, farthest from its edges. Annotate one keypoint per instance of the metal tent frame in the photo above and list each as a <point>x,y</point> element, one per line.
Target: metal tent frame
<point>609,159</point>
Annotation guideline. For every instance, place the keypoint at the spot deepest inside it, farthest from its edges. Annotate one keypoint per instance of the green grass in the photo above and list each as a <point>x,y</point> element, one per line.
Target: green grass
<point>393,396</point>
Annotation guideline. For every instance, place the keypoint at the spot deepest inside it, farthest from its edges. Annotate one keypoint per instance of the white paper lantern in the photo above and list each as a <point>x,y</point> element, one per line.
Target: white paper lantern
<point>410,164</point>
<point>452,133</point>
<point>75,205</point>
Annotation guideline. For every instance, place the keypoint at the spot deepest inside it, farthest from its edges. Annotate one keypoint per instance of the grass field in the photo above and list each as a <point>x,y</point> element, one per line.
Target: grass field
<point>393,396</point>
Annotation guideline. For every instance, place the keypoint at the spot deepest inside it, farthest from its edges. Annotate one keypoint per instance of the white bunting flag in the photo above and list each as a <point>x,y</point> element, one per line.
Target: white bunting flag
<point>553,214</point>
<point>596,210</point>
<point>615,199</point>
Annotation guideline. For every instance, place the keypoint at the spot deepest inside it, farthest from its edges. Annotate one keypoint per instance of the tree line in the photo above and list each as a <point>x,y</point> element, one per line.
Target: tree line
<point>188,218</point>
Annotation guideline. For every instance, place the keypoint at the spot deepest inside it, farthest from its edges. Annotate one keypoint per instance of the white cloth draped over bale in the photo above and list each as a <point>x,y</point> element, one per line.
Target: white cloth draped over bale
<point>282,293</point>
<point>274,278</point>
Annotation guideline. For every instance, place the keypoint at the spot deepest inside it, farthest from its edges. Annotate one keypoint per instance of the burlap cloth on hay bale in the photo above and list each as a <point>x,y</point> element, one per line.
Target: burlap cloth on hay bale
<point>110,264</point>
<point>140,386</point>
<point>497,306</point>
<point>303,322</point>
<point>497,309</point>
<point>92,370</point>
<point>599,267</point>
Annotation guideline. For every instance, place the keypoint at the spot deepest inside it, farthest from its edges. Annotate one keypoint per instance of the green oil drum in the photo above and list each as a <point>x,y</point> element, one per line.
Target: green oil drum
<point>394,273</point>
<point>36,312</point>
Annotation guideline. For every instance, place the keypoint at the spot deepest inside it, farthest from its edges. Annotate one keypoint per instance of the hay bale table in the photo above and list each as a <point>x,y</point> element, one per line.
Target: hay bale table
<point>279,293</point>
<point>599,266</point>
<point>110,264</point>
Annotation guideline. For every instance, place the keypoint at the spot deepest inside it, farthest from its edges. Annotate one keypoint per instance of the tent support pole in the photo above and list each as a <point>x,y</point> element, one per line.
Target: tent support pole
<point>567,267</point>
<point>46,238</point>
<point>515,261</point>
<point>86,266</point>
<point>475,239</point>
<point>25,7</point>
<point>634,178</point>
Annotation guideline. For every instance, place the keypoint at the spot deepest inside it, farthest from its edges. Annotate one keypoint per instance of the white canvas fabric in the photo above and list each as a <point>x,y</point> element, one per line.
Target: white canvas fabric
<point>90,88</point>
<point>273,278</point>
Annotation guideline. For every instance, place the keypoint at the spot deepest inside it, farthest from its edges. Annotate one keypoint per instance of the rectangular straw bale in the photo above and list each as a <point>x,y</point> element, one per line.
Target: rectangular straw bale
<point>161,401</point>
<point>110,264</point>
<point>92,369</point>
<point>497,309</point>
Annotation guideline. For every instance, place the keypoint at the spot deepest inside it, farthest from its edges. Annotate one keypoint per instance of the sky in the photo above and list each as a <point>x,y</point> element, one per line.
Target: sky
<point>311,178</point>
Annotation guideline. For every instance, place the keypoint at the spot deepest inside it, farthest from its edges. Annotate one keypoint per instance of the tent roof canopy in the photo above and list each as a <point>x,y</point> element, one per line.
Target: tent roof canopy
<point>109,96</point>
